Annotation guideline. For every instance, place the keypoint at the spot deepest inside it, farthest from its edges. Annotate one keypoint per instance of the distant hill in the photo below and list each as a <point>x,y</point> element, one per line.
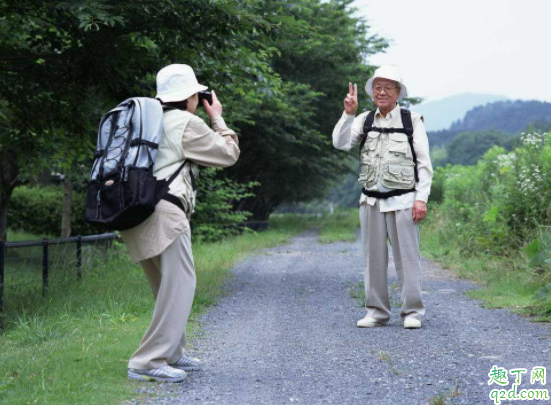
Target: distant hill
<point>511,117</point>
<point>440,114</point>
<point>506,116</point>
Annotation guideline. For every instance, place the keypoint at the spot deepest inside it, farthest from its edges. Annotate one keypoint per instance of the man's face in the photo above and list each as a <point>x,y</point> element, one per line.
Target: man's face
<point>385,94</point>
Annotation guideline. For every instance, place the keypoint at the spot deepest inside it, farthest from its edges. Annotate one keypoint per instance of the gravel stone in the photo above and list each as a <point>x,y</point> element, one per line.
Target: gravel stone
<point>286,333</point>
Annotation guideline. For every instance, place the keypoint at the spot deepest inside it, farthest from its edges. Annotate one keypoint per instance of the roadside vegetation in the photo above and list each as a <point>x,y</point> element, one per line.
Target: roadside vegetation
<point>342,225</point>
<point>72,347</point>
<point>491,223</point>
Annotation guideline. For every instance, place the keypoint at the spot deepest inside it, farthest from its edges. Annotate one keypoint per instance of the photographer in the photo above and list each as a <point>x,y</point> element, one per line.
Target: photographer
<point>162,243</point>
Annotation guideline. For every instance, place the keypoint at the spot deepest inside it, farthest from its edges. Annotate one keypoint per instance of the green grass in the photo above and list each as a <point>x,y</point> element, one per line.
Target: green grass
<point>506,282</point>
<point>340,226</point>
<point>72,347</point>
<point>19,235</point>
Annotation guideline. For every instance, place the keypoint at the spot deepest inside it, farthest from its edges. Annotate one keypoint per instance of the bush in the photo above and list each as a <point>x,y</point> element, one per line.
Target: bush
<point>38,210</point>
<point>214,216</point>
<point>502,201</point>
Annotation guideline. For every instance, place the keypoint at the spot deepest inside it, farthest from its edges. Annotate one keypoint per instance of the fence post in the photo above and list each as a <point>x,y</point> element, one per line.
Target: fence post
<point>2,269</point>
<point>79,258</point>
<point>44,266</point>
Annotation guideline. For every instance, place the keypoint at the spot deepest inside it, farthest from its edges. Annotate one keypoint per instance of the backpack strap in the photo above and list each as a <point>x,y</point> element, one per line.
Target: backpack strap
<point>176,173</point>
<point>162,193</point>
<point>407,129</point>
<point>162,186</point>
<point>407,123</point>
<point>368,126</point>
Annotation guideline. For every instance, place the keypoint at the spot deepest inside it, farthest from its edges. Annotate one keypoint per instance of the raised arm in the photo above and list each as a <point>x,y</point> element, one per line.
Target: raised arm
<point>217,147</point>
<point>348,129</point>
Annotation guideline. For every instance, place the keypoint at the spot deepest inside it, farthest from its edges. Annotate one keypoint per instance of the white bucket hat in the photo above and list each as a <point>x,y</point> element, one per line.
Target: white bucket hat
<point>390,73</point>
<point>176,83</point>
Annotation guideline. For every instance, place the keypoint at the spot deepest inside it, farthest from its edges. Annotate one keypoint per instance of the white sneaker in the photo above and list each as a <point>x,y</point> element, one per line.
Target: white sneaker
<point>187,363</point>
<point>161,374</point>
<point>412,323</point>
<point>369,322</point>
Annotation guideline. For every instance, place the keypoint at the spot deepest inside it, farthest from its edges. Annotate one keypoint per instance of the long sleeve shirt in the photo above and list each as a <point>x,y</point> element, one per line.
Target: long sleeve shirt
<point>216,147</point>
<point>347,134</point>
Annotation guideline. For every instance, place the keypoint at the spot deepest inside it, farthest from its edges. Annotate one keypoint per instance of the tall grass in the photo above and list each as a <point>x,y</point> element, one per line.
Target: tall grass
<point>72,347</point>
<point>339,226</point>
<point>506,281</point>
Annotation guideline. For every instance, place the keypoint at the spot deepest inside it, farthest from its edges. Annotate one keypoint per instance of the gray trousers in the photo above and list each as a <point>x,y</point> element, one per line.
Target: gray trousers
<point>171,276</point>
<point>398,226</point>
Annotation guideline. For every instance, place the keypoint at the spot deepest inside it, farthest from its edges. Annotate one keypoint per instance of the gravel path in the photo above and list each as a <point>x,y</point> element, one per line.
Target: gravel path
<point>286,333</point>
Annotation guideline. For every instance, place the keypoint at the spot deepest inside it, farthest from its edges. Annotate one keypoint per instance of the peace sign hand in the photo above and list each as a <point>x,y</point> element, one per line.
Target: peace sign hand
<point>351,100</point>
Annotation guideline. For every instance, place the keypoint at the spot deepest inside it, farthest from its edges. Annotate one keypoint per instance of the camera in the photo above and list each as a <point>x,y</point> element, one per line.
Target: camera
<point>205,95</point>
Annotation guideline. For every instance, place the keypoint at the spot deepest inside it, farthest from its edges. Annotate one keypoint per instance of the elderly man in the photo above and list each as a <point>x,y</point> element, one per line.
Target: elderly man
<point>396,175</point>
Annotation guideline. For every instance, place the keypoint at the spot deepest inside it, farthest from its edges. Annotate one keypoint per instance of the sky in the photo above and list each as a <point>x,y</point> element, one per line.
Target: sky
<point>447,47</point>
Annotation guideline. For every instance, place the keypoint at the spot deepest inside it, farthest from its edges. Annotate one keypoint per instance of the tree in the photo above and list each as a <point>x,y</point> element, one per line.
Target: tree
<point>63,62</point>
<point>468,147</point>
<point>280,68</point>
<point>287,146</point>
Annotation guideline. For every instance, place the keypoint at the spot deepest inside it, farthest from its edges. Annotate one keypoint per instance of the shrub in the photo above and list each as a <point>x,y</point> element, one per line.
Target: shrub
<point>38,209</point>
<point>500,202</point>
<point>214,216</point>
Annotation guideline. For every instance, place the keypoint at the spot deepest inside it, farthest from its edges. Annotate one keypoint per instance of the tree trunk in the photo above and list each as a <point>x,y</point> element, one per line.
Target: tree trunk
<point>4,199</point>
<point>66,211</point>
<point>9,179</point>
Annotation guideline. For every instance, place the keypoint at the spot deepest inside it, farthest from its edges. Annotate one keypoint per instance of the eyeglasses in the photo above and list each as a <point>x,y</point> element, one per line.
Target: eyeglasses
<point>387,89</point>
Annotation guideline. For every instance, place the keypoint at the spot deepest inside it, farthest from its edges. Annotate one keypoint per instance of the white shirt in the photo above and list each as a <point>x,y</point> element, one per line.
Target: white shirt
<point>347,135</point>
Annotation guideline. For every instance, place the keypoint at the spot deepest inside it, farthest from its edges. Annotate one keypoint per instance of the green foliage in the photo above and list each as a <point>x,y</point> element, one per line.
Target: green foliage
<point>214,217</point>
<point>339,226</point>
<point>38,210</point>
<point>287,149</point>
<point>501,207</point>
<point>71,347</point>
<point>437,186</point>
<point>280,69</point>
<point>65,63</point>
<point>539,252</point>
<point>501,201</point>
<point>468,147</point>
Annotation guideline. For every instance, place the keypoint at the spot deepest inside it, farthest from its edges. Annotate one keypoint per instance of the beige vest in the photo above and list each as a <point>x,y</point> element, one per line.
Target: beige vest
<point>386,159</point>
<point>170,156</point>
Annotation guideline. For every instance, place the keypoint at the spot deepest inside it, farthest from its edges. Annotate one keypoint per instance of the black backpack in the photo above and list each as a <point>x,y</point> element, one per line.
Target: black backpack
<point>123,191</point>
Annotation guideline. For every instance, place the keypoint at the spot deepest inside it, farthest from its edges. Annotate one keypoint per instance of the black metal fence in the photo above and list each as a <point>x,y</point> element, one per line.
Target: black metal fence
<point>30,264</point>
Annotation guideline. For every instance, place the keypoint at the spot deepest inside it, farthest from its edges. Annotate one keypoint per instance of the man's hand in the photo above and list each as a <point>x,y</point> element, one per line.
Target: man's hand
<point>214,109</point>
<point>419,211</point>
<point>351,100</point>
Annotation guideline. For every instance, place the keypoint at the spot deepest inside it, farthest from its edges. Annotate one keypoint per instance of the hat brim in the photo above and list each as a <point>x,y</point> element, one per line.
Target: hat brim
<point>369,88</point>
<point>180,95</point>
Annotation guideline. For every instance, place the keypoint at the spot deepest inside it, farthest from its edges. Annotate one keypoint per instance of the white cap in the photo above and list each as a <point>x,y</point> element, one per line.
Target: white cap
<point>177,83</point>
<point>390,73</point>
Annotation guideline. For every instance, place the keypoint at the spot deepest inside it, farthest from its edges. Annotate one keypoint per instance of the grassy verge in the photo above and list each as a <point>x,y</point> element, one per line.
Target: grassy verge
<point>19,235</point>
<point>72,347</point>
<point>506,282</point>
<point>340,226</point>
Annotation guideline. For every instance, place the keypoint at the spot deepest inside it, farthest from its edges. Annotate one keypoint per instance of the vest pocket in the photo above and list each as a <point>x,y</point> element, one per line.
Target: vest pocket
<point>398,144</point>
<point>367,171</point>
<point>398,175</point>
<point>372,140</point>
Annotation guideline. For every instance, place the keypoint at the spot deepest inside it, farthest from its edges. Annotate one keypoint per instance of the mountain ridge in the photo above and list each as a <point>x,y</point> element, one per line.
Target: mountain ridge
<point>441,114</point>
